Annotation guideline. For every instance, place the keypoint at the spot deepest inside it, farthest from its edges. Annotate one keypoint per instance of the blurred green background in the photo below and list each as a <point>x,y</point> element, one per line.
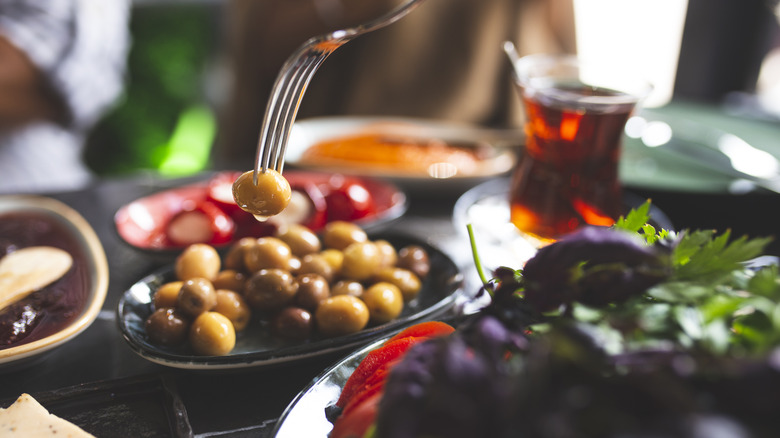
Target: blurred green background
<point>165,120</point>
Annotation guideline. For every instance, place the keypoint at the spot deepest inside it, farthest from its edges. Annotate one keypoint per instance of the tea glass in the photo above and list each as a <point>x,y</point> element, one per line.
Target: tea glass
<point>575,114</point>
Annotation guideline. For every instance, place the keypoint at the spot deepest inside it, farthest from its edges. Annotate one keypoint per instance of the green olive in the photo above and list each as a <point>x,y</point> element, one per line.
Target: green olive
<point>234,259</point>
<point>387,253</point>
<point>234,307</point>
<point>167,295</point>
<point>292,323</point>
<point>341,315</point>
<point>312,290</point>
<point>268,197</point>
<point>300,239</point>
<point>361,261</point>
<point>347,287</point>
<point>197,260</point>
<point>197,295</point>
<point>414,258</point>
<point>269,290</point>
<point>317,264</point>
<point>212,334</point>
<point>167,326</point>
<point>384,302</point>
<point>341,234</point>
<point>295,265</point>
<point>230,280</point>
<point>334,257</point>
<point>267,253</point>
<point>407,281</point>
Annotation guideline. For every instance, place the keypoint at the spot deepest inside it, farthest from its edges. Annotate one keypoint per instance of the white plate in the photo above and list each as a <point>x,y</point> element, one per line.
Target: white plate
<point>85,241</point>
<point>308,132</point>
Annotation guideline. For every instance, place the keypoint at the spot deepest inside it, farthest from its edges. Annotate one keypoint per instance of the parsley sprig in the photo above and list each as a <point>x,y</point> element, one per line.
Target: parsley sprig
<point>713,299</point>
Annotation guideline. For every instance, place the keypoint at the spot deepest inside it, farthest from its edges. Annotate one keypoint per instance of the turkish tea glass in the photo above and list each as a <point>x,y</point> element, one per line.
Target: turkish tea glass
<point>575,114</point>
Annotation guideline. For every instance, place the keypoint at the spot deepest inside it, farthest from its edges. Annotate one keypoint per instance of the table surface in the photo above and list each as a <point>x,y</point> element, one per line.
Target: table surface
<point>248,402</point>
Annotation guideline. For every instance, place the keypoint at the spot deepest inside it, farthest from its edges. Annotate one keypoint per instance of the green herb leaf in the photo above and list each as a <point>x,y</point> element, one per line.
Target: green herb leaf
<point>713,299</point>
<point>690,320</point>
<point>636,219</point>
<point>700,256</point>
<point>765,282</point>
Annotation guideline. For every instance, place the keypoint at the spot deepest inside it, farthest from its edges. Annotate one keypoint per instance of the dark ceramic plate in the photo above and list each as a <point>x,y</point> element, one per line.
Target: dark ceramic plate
<point>255,347</point>
<point>138,406</point>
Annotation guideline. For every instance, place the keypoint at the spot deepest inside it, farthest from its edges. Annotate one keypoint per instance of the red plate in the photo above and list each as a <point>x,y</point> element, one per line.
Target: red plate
<point>144,223</point>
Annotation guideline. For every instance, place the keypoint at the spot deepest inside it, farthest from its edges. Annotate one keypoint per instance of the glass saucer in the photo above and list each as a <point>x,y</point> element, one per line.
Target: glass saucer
<point>498,241</point>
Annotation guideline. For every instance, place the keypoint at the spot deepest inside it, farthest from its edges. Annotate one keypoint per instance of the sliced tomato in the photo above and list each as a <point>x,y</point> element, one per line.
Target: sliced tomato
<point>365,386</point>
<point>367,392</point>
<point>427,329</point>
<point>372,385</point>
<point>375,360</point>
<point>357,421</point>
<point>390,351</point>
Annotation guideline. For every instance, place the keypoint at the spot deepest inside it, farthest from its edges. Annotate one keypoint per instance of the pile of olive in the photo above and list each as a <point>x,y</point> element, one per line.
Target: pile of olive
<point>300,284</point>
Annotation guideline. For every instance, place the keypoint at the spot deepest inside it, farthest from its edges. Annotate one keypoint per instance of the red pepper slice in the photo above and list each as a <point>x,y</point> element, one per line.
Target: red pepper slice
<point>200,222</point>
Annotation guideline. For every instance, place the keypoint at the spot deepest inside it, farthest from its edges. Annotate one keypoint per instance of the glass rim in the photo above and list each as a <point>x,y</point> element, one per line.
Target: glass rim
<point>540,71</point>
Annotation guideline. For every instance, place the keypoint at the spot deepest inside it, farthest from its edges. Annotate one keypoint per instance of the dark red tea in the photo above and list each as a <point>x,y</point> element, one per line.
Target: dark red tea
<point>568,175</point>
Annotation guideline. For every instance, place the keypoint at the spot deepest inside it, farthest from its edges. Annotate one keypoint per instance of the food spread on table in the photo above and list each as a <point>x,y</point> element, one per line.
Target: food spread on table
<point>298,284</point>
<point>608,332</point>
<point>598,326</point>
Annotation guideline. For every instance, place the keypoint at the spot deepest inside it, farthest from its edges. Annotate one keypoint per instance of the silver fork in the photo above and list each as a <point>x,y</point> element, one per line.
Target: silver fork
<point>293,79</point>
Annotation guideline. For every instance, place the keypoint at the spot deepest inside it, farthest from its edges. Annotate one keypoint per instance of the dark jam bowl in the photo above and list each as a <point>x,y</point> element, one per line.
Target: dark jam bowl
<point>37,220</point>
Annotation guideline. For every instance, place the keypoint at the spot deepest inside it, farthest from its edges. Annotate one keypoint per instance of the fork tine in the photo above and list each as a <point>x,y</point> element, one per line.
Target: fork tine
<point>288,106</point>
<point>263,150</point>
<point>278,110</point>
<point>267,143</point>
<point>292,81</point>
<point>295,94</point>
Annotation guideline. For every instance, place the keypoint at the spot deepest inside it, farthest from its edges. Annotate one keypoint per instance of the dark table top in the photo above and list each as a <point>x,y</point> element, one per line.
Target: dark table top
<point>247,402</point>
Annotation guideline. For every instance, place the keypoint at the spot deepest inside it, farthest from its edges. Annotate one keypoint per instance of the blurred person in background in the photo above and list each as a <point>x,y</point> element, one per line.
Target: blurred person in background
<point>62,66</point>
<point>443,61</point>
